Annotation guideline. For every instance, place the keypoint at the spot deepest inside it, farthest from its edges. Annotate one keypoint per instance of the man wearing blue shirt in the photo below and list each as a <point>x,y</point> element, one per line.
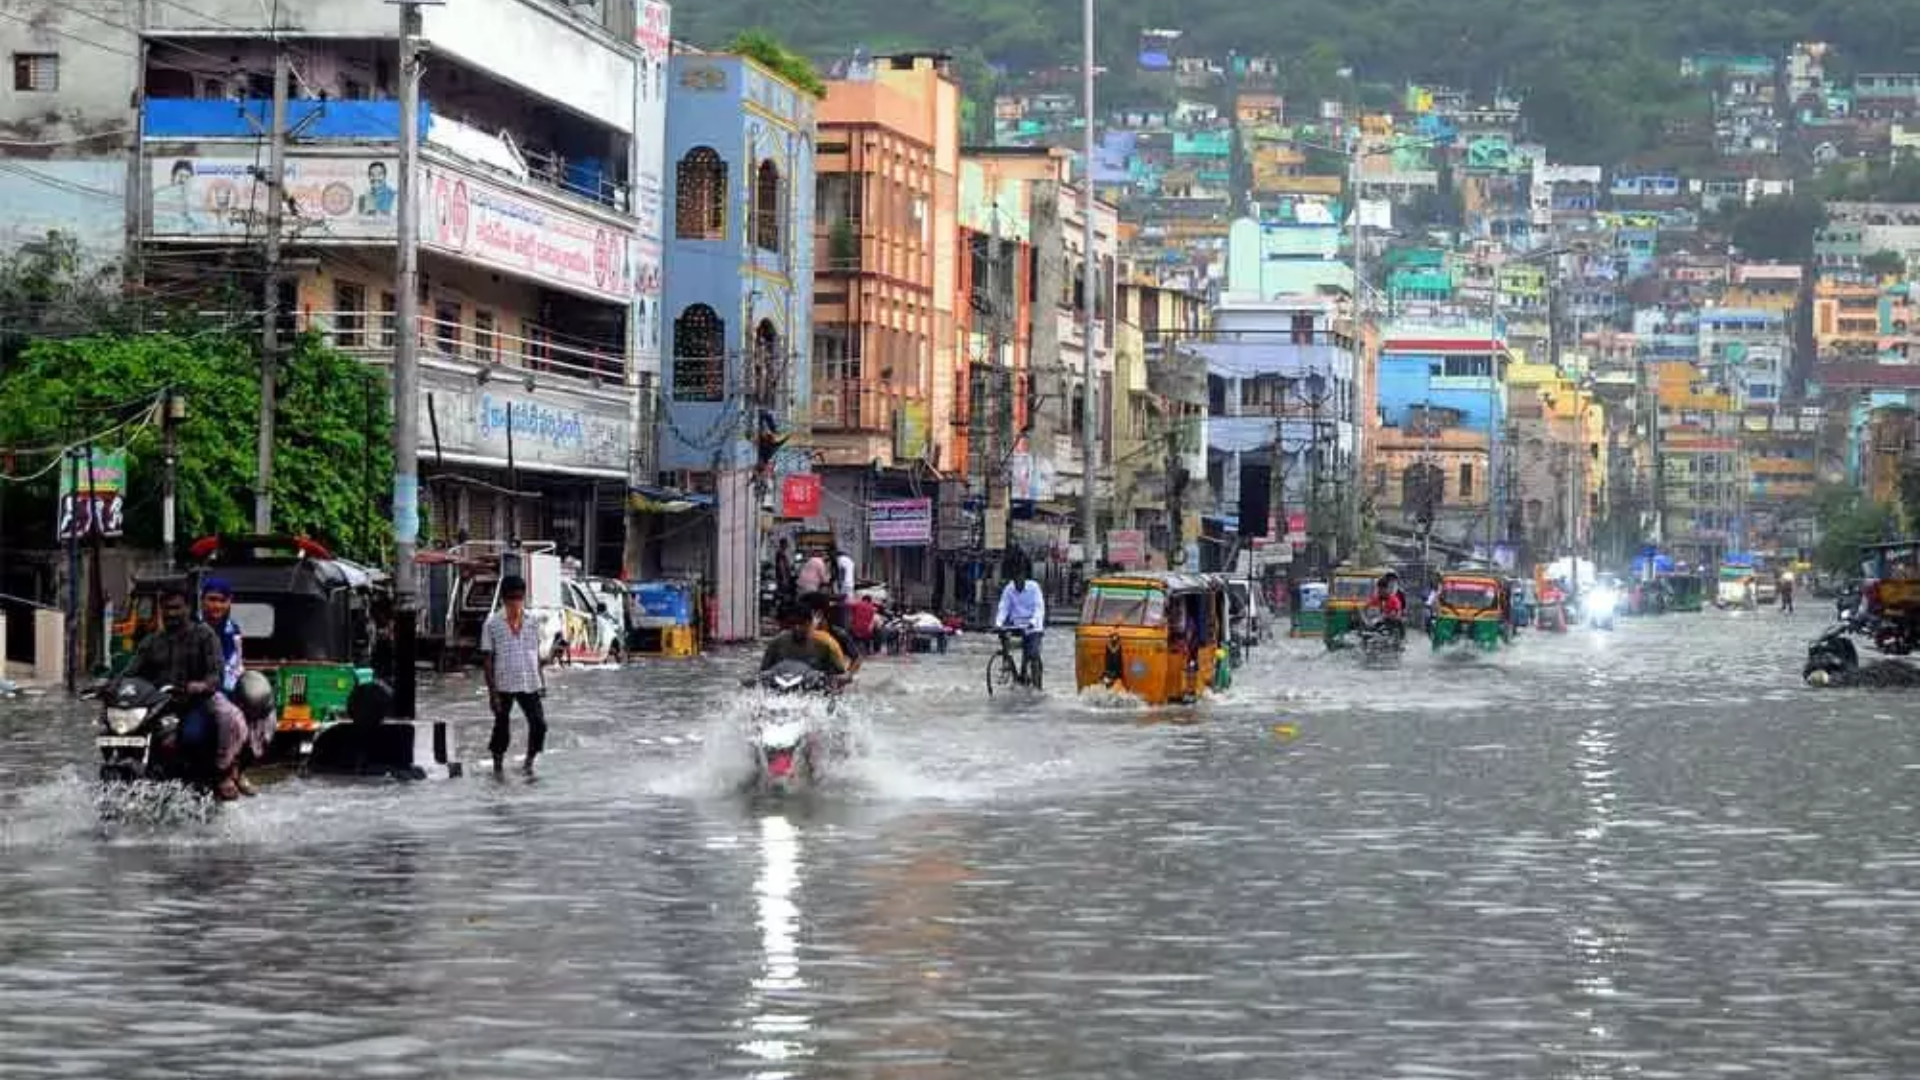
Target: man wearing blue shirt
<point>1023,608</point>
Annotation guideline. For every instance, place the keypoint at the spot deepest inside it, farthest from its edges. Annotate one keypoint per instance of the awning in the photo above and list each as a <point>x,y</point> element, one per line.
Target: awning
<point>647,499</point>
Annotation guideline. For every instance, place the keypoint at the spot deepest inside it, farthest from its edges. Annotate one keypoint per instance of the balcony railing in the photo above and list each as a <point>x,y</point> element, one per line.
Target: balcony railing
<point>854,405</point>
<point>370,336</point>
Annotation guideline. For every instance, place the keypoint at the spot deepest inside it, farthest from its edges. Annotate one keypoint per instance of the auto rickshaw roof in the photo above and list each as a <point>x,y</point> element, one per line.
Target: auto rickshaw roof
<point>1371,574</point>
<point>1166,580</point>
<point>1474,577</point>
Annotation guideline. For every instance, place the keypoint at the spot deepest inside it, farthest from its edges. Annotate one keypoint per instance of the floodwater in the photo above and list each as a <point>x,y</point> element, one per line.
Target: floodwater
<point>1647,853</point>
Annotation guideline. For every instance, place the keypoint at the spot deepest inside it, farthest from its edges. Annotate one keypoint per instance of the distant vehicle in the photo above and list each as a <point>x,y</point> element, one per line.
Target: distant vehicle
<point>1766,589</point>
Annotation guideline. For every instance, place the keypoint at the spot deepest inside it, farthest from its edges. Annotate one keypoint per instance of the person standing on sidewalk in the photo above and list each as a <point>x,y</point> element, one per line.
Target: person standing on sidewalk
<point>510,658</point>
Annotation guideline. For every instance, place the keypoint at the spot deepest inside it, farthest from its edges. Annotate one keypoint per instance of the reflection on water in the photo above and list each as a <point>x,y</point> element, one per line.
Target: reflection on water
<point>777,1026</point>
<point>1646,854</point>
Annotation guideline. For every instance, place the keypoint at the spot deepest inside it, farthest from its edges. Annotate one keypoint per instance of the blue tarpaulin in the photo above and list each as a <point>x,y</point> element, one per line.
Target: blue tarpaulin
<point>192,118</point>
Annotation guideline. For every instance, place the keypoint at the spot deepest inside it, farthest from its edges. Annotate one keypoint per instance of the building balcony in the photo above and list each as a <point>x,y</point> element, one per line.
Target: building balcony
<point>543,356</point>
<point>498,401</point>
<point>856,406</point>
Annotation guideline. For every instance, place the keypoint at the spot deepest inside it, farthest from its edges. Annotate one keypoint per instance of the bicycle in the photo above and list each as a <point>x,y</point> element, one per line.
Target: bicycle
<point>1006,671</point>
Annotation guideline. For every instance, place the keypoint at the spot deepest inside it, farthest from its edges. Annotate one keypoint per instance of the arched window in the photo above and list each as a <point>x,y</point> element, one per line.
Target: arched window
<point>699,355</point>
<point>766,365</point>
<point>1422,489</point>
<point>766,207</point>
<point>700,204</point>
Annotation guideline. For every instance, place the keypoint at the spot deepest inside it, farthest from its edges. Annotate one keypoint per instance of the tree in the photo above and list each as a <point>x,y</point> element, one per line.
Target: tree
<point>1778,228</point>
<point>333,453</point>
<point>1847,520</point>
<point>1884,264</point>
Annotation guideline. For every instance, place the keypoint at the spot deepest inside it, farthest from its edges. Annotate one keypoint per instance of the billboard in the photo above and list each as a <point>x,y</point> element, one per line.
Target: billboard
<point>489,224</point>
<point>331,198</point>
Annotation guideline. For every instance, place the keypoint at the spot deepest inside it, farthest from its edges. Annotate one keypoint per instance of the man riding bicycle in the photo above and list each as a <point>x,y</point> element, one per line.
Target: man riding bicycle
<point>1023,609</point>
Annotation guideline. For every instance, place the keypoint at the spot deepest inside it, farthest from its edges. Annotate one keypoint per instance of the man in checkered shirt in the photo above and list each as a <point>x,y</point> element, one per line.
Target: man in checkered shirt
<point>510,658</point>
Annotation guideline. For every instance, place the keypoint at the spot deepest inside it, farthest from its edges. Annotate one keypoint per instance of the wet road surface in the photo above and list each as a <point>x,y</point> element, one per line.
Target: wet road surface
<point>1643,854</point>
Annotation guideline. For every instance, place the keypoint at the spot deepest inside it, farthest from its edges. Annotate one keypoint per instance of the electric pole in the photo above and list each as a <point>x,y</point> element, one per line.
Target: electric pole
<point>1089,426</point>
<point>406,367</point>
<point>270,286</point>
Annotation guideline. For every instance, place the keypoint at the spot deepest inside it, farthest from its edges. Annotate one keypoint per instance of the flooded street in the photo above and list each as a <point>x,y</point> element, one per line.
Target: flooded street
<point>1649,853</point>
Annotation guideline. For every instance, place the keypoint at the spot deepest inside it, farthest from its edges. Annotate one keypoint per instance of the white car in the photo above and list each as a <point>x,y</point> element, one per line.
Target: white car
<point>589,625</point>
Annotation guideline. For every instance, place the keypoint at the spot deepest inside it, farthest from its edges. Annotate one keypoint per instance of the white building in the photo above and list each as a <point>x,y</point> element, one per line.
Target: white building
<point>540,177</point>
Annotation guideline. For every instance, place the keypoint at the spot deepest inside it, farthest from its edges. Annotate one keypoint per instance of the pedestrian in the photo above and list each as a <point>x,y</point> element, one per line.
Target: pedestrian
<point>510,659</point>
<point>813,575</point>
<point>783,580</point>
<point>842,586</point>
<point>1786,594</point>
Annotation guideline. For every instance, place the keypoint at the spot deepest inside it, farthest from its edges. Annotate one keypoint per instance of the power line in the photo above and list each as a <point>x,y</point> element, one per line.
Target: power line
<point>32,24</point>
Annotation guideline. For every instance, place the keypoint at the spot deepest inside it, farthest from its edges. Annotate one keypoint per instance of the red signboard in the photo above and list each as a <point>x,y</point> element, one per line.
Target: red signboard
<point>800,495</point>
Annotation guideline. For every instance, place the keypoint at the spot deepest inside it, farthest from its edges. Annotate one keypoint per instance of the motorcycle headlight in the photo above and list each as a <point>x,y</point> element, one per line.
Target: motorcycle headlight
<point>125,721</point>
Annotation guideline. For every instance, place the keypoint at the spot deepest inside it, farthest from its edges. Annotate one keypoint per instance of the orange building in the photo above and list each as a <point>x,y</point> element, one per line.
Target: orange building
<point>887,159</point>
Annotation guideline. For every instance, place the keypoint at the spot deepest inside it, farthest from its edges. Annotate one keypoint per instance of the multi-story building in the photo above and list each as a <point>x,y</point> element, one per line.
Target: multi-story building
<point>540,144</point>
<point>1700,480</point>
<point>738,307</point>
<point>1159,419</point>
<point>885,293</point>
<point>1441,407</point>
<point>1283,387</point>
<point>1560,466</point>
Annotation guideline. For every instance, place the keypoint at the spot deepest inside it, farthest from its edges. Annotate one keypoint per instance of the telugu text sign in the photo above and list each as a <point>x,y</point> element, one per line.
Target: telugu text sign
<point>337,198</point>
<point>487,223</point>
<point>900,522</point>
<point>556,431</point>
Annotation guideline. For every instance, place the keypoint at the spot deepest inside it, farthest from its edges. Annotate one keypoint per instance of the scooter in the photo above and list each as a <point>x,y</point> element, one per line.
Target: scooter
<point>1833,655</point>
<point>788,747</point>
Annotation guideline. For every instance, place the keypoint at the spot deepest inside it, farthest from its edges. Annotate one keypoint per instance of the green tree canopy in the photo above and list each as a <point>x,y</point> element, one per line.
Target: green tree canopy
<point>1847,521</point>
<point>333,458</point>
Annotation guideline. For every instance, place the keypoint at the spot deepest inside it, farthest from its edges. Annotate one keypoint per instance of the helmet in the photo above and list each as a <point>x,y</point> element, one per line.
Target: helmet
<point>254,695</point>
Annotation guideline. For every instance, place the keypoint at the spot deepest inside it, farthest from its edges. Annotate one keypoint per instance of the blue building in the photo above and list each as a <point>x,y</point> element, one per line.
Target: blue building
<point>737,302</point>
<point>1442,398</point>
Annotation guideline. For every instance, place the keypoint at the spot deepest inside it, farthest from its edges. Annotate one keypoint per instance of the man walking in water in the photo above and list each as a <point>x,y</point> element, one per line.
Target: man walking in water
<point>1786,593</point>
<point>510,659</point>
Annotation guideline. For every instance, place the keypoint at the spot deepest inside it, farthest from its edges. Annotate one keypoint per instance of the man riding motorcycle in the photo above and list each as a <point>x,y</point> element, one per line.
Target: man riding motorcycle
<point>186,655</point>
<point>802,638</point>
<point>1391,604</point>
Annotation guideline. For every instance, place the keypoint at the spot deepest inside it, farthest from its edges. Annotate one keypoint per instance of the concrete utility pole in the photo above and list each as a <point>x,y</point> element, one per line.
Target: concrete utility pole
<point>270,286</point>
<point>406,368</point>
<point>1089,424</point>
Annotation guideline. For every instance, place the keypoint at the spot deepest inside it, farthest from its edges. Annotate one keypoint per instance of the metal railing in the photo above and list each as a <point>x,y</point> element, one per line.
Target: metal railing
<point>370,335</point>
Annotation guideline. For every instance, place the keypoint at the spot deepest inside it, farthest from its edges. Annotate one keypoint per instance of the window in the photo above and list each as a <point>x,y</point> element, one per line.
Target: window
<point>766,207</point>
<point>446,327</point>
<point>766,364</point>
<point>349,314</point>
<point>485,344</point>
<point>699,355</point>
<point>36,72</point>
<point>1466,480</point>
<point>387,303</point>
<point>700,206</point>
<point>1422,488</point>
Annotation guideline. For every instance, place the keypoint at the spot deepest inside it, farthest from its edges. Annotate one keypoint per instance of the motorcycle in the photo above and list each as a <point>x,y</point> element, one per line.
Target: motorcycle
<point>788,747</point>
<point>138,738</point>
<point>1379,637</point>
<point>1833,654</point>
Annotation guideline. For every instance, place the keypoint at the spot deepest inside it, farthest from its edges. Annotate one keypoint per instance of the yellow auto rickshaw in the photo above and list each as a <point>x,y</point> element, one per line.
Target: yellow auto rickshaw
<point>1474,608</point>
<point>1353,588</point>
<point>1157,635</point>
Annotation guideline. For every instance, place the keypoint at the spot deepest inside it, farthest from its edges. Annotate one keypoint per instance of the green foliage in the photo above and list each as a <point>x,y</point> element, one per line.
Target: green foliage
<point>63,390</point>
<point>1602,81</point>
<point>47,289</point>
<point>763,47</point>
<point>1885,264</point>
<point>1779,228</point>
<point>1848,520</point>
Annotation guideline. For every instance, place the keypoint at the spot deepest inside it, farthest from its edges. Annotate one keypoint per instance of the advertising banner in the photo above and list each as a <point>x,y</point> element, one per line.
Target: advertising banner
<point>556,430</point>
<point>332,198</point>
<point>900,522</point>
<point>93,486</point>
<point>800,495</point>
<point>483,221</point>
